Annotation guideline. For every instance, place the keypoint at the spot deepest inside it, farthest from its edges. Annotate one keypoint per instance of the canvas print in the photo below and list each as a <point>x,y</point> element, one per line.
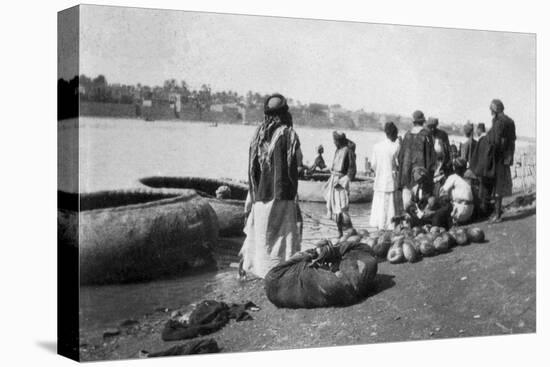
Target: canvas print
<point>233,183</point>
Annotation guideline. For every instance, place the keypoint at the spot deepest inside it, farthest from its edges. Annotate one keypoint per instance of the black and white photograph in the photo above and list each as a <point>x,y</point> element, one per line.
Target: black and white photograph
<point>274,183</point>
<point>235,183</point>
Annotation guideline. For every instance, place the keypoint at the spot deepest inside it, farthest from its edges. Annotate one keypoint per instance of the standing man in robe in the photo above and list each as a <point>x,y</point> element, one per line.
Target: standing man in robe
<point>480,130</point>
<point>272,233</point>
<point>384,164</point>
<point>442,148</point>
<point>467,148</point>
<point>417,151</point>
<point>342,173</point>
<point>502,136</point>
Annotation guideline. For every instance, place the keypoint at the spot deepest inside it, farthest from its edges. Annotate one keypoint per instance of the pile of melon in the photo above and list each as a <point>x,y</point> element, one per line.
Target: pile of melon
<point>411,244</point>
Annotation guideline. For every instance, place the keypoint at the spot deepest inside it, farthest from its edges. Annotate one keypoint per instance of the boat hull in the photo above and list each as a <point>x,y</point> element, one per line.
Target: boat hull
<point>230,212</point>
<point>130,236</point>
<point>361,190</point>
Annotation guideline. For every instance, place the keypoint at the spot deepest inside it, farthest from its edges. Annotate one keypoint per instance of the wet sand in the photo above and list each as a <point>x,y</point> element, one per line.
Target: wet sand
<point>476,290</point>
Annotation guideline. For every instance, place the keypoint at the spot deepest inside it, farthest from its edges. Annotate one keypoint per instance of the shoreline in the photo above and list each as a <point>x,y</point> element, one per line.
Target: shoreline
<point>458,294</point>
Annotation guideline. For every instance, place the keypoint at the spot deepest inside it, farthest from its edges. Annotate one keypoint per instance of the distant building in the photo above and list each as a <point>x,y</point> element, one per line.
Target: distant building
<point>218,107</point>
<point>334,110</point>
<point>175,101</point>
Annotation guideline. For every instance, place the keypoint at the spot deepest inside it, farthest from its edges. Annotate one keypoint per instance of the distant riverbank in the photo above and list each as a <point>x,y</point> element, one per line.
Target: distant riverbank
<point>252,117</point>
<point>166,113</point>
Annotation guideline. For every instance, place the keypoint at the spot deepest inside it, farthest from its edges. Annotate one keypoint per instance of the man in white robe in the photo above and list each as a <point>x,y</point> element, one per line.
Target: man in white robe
<point>384,164</point>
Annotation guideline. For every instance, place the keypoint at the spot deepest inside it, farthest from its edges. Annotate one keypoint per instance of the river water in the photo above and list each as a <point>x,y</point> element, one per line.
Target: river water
<point>115,153</point>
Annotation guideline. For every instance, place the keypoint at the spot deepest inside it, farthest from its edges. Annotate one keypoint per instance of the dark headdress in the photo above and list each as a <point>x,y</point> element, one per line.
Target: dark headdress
<point>418,117</point>
<point>390,129</point>
<point>499,106</point>
<point>339,138</point>
<point>432,121</point>
<point>275,105</point>
<point>468,128</point>
<point>276,115</point>
<point>459,163</point>
<point>419,174</point>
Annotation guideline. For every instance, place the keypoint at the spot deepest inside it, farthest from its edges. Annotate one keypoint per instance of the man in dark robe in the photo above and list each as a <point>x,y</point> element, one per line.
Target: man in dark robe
<point>469,145</point>
<point>417,150</point>
<point>442,147</point>
<point>272,233</point>
<point>482,165</point>
<point>480,130</point>
<point>502,136</point>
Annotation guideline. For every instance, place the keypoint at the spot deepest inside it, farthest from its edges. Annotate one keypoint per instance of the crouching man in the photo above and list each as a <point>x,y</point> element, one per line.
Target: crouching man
<point>424,207</point>
<point>460,193</point>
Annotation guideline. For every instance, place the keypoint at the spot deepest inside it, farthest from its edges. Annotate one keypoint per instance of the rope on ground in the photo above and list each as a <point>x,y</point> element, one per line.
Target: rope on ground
<point>331,224</point>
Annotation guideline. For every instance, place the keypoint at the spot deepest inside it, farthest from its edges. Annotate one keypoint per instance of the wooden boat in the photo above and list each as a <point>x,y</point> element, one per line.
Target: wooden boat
<point>315,186</point>
<point>138,235</point>
<point>230,212</point>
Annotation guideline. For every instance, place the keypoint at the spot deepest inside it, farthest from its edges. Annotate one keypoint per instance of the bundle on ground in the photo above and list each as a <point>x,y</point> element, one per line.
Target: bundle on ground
<point>207,317</point>
<point>327,276</point>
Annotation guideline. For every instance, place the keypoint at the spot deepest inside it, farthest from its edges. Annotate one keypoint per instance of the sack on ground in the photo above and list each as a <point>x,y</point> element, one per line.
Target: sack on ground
<point>303,282</point>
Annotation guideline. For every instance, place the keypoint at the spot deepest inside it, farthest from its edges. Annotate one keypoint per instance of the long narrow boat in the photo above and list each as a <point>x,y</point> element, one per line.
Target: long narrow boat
<point>138,235</point>
<point>230,211</point>
<point>315,186</point>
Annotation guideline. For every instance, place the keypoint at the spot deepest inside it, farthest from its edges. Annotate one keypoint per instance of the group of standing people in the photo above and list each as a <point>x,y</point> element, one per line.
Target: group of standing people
<point>418,179</point>
<point>424,181</point>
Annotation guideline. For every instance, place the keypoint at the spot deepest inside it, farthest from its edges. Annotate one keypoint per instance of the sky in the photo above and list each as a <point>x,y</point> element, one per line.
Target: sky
<point>447,73</point>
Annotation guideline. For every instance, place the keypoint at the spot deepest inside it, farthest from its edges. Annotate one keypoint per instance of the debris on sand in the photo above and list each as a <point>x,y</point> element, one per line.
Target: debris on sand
<point>508,330</point>
<point>193,347</point>
<point>111,332</point>
<point>129,322</point>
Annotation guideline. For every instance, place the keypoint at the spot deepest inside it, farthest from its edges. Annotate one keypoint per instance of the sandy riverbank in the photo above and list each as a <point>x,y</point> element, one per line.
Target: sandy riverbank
<point>477,290</point>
